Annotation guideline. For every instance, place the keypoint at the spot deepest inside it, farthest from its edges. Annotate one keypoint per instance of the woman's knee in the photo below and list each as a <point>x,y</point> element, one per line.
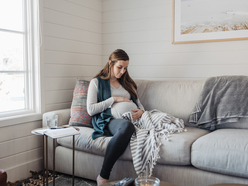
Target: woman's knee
<point>127,127</point>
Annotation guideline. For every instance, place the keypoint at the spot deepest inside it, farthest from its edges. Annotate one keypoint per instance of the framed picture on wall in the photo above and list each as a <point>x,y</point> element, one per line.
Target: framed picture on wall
<point>209,20</point>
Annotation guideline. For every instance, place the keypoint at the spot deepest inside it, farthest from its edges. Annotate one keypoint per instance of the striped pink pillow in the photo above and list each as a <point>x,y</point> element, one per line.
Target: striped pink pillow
<point>79,114</point>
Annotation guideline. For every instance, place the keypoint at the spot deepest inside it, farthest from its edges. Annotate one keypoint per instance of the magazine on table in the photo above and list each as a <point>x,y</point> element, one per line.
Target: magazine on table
<point>58,132</point>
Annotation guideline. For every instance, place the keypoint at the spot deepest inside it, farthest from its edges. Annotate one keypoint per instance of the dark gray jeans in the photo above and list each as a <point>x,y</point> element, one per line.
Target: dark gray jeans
<point>122,131</point>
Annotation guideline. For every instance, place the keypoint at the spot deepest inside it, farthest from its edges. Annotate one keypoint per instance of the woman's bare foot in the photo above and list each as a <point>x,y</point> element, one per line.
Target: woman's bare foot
<point>101,180</point>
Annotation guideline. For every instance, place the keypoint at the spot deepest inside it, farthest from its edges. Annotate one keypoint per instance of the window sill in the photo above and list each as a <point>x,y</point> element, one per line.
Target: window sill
<point>14,120</point>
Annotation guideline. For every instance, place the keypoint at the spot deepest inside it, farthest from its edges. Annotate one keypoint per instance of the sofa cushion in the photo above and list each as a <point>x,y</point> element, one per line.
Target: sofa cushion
<point>176,151</point>
<point>79,114</point>
<point>85,143</point>
<point>223,151</point>
<point>177,98</point>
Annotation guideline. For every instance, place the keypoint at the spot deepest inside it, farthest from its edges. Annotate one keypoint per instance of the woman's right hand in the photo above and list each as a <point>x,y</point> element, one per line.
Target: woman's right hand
<point>121,99</point>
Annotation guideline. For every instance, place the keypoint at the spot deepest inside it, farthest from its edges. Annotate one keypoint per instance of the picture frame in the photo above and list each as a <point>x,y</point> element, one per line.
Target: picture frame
<point>209,20</point>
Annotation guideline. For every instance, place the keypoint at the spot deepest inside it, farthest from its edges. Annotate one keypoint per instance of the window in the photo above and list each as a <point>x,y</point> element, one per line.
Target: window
<point>19,57</point>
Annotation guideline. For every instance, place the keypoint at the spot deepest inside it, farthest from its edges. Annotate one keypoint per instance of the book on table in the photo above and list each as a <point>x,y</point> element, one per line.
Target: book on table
<point>59,132</point>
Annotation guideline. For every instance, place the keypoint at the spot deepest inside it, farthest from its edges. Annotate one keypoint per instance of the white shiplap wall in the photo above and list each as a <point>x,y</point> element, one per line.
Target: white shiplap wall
<point>20,150</point>
<point>72,47</point>
<point>143,28</point>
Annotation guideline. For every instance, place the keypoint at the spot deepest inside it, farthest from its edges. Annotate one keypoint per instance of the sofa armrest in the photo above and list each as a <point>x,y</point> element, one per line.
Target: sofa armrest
<point>63,117</point>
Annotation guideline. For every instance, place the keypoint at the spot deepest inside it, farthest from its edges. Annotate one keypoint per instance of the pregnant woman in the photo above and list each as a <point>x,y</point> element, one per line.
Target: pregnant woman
<point>111,93</point>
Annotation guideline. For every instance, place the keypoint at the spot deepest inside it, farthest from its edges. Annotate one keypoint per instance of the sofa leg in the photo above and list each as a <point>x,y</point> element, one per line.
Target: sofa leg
<point>3,178</point>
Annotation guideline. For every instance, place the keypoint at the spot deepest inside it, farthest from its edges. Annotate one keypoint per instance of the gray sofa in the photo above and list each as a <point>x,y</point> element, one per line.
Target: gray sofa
<point>197,157</point>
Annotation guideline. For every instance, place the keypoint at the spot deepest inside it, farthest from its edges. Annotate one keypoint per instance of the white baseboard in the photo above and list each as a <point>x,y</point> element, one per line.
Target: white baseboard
<point>22,171</point>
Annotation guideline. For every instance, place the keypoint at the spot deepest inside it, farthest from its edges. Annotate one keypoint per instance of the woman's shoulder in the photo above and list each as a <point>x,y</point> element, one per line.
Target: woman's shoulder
<point>94,82</point>
<point>96,79</point>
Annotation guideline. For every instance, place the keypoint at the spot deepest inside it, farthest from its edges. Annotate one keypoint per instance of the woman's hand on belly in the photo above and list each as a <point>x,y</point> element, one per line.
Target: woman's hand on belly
<point>137,114</point>
<point>121,99</point>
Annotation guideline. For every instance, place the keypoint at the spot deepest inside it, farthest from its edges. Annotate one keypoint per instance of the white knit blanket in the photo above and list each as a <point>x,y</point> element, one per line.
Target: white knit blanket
<point>146,141</point>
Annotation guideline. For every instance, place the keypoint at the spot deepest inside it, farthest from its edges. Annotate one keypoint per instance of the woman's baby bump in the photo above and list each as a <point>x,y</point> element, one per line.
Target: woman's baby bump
<point>120,108</point>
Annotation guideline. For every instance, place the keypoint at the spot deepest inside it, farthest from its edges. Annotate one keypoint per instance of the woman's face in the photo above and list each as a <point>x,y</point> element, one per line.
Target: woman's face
<point>119,68</point>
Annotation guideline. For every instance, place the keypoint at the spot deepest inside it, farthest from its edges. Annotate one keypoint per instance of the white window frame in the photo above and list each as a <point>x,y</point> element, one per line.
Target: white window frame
<point>32,68</point>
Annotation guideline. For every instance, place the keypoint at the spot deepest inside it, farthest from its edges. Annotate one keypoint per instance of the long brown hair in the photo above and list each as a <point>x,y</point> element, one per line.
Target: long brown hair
<point>126,81</point>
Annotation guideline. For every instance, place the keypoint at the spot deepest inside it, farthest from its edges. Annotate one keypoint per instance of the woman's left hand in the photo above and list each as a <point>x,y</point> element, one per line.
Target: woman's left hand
<point>137,114</point>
